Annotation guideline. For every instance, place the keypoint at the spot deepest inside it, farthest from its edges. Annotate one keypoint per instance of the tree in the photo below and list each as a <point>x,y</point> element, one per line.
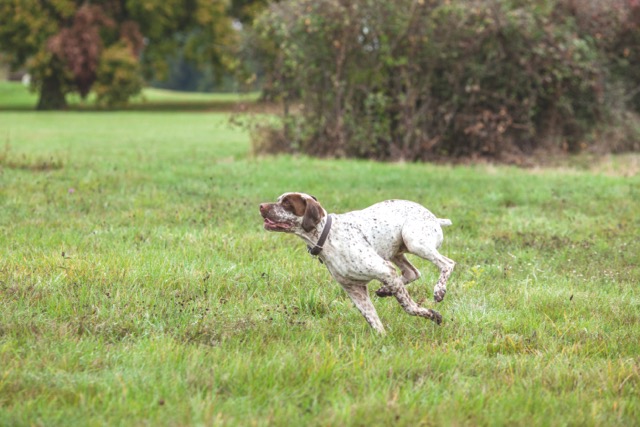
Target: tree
<point>108,46</point>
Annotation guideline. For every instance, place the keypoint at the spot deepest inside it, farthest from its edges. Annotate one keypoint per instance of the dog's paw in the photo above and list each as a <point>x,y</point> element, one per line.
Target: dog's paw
<point>437,317</point>
<point>384,292</point>
<point>438,295</point>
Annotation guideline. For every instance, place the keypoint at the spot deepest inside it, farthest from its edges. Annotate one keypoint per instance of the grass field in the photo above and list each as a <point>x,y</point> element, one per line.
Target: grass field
<point>137,286</point>
<point>15,96</point>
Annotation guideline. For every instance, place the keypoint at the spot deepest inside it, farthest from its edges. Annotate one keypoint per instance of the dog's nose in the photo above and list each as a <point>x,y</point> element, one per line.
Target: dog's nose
<point>263,207</point>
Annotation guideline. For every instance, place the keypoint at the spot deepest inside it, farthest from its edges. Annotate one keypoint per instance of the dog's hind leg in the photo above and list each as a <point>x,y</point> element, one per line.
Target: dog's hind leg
<point>423,239</point>
<point>395,285</point>
<point>412,308</point>
<point>444,264</point>
<point>409,274</point>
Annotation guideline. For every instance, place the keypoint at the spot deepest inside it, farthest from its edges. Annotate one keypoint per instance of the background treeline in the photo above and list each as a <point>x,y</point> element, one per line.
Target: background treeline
<point>402,79</point>
<point>426,79</point>
<point>113,48</point>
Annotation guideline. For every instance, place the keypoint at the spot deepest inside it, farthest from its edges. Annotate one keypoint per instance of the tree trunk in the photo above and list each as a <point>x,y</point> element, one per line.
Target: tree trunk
<point>51,95</point>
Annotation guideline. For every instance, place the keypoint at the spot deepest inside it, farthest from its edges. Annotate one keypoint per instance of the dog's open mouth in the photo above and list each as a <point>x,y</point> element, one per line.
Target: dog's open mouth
<point>276,226</point>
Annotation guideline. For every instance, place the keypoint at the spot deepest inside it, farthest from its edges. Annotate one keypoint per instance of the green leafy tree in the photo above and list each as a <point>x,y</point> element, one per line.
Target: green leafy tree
<point>109,46</point>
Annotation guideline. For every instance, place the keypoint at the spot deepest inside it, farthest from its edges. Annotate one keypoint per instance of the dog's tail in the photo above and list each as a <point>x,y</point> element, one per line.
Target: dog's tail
<point>444,222</point>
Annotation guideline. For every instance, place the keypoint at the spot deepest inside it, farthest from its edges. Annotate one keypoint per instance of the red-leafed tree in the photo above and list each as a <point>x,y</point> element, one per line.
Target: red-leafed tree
<point>108,46</point>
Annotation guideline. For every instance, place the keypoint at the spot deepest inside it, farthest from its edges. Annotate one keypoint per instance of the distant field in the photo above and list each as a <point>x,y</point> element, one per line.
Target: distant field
<point>137,286</point>
<point>15,96</point>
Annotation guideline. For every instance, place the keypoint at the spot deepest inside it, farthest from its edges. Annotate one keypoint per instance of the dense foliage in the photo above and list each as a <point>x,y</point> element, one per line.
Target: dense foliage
<point>418,80</point>
<point>74,46</point>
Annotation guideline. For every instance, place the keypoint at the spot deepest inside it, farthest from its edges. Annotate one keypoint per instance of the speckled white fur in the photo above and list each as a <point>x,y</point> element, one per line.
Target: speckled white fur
<point>369,244</point>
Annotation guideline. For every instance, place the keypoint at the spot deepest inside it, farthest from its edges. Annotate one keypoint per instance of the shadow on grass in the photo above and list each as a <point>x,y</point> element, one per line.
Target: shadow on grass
<point>16,97</point>
<point>155,106</point>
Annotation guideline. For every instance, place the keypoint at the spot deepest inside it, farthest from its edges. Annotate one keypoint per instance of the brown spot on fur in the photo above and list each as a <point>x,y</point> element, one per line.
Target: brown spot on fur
<point>295,203</point>
<point>308,208</point>
<point>312,215</point>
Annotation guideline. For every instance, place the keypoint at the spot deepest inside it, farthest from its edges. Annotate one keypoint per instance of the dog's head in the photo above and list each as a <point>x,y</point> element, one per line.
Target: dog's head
<point>293,212</point>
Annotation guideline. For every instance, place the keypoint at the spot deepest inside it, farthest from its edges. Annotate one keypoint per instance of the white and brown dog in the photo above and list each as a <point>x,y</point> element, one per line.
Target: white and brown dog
<point>369,244</point>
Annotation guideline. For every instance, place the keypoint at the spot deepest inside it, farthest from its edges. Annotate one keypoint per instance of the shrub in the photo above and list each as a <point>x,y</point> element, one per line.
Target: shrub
<point>614,27</point>
<point>420,80</point>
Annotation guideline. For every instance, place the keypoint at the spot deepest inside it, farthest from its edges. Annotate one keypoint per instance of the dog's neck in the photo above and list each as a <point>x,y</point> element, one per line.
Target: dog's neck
<point>311,237</point>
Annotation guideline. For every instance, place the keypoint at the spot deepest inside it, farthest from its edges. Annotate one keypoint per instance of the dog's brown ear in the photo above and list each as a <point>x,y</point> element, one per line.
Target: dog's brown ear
<point>312,215</point>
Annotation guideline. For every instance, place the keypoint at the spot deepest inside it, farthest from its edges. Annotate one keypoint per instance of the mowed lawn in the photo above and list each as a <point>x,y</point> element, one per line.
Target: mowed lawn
<point>137,287</point>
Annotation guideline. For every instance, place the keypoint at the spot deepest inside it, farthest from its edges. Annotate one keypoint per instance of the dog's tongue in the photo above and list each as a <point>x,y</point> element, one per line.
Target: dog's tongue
<point>267,221</point>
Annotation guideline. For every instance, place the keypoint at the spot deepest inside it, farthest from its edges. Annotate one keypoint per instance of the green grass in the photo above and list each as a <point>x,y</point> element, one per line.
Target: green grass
<point>137,287</point>
<point>15,96</point>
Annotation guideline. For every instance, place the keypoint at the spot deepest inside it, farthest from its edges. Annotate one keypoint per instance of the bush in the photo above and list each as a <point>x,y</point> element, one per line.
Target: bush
<point>421,80</point>
<point>118,76</point>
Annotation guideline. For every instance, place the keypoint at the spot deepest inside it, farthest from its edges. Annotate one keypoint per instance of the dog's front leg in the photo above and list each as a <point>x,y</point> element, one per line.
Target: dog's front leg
<point>357,291</point>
